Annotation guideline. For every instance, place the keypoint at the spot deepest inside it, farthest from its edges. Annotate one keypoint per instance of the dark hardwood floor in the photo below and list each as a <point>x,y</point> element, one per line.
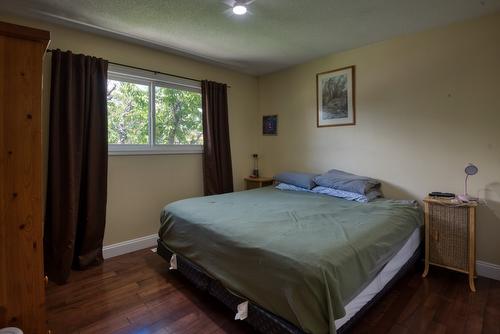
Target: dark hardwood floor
<point>135,293</point>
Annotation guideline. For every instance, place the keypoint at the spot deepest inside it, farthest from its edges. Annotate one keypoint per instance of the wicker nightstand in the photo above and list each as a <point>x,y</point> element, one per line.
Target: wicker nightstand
<point>258,182</point>
<point>450,236</point>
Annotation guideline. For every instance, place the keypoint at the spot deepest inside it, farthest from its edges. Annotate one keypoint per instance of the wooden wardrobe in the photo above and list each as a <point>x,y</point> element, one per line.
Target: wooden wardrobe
<point>22,281</point>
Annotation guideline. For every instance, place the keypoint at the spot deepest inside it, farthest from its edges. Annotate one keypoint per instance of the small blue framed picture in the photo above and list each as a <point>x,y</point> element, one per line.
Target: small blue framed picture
<point>270,125</point>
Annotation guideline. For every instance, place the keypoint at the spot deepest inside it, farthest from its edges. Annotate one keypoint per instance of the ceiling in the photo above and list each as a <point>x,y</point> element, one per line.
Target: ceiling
<point>275,34</point>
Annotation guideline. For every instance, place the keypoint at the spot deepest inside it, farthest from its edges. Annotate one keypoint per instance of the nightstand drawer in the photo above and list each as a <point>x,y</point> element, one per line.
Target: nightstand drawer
<point>448,236</point>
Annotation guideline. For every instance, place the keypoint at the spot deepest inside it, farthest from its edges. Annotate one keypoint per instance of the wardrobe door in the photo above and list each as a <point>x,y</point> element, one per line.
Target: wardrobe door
<point>22,285</point>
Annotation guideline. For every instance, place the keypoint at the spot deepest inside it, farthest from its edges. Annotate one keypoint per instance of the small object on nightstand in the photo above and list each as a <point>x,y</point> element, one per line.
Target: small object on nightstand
<point>440,194</point>
<point>255,172</point>
<point>470,170</point>
<point>258,182</point>
<point>450,236</point>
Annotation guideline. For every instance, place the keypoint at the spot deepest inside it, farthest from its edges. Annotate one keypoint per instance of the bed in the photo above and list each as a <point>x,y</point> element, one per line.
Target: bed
<point>306,263</point>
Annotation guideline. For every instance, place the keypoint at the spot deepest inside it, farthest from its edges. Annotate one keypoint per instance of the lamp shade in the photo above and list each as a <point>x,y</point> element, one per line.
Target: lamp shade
<point>471,169</point>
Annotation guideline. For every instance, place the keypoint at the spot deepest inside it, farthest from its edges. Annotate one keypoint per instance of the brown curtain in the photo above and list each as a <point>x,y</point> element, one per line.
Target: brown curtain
<point>78,162</point>
<point>217,169</point>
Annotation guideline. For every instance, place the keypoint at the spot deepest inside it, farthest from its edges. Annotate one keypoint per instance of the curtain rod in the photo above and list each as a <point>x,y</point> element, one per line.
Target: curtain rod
<point>148,70</point>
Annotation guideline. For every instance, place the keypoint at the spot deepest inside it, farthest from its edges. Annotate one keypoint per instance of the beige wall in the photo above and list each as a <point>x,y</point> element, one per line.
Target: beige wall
<point>427,104</point>
<point>139,186</point>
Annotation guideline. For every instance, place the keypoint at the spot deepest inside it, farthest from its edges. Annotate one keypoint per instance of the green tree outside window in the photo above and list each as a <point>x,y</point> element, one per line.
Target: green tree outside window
<point>177,115</point>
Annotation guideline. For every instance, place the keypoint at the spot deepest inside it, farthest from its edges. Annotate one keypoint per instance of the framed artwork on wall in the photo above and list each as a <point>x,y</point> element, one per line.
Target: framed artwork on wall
<point>270,125</point>
<point>335,97</point>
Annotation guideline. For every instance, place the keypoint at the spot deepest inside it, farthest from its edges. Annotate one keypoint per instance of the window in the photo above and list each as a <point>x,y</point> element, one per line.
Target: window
<point>152,113</point>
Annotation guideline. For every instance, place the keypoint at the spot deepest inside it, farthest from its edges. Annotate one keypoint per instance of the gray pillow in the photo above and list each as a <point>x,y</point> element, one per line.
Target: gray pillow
<point>303,180</point>
<point>338,179</point>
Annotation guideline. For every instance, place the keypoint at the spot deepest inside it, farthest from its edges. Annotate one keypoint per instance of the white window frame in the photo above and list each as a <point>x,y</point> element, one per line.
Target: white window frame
<point>153,80</point>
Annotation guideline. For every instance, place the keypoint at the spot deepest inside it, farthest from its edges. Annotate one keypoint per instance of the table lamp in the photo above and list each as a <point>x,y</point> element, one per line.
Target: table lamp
<point>255,172</point>
<point>470,169</point>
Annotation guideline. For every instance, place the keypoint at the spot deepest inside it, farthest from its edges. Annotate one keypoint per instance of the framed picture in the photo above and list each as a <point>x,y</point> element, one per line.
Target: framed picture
<point>335,97</point>
<point>270,125</point>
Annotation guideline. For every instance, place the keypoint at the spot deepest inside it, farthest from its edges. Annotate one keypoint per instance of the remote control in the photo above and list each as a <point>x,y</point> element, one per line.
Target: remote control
<point>440,194</point>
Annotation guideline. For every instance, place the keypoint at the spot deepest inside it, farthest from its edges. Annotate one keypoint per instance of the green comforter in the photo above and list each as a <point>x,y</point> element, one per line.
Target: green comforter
<point>300,255</point>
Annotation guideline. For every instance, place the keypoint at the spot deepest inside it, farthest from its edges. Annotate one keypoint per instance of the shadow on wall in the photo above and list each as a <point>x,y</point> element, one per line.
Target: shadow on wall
<point>393,191</point>
<point>492,192</point>
<point>488,220</point>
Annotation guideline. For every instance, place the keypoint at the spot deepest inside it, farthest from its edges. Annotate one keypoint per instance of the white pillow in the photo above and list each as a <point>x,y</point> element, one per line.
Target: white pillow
<point>347,194</point>
<point>286,186</point>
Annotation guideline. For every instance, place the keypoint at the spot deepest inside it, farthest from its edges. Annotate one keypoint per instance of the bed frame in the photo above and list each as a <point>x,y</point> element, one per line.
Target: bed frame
<point>259,318</point>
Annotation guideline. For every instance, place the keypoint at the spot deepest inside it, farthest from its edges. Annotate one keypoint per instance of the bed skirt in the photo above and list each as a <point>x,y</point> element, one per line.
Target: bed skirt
<point>260,319</point>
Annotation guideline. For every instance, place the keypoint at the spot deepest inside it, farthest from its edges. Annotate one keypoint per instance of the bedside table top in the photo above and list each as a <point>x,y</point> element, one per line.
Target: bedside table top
<point>259,179</point>
<point>449,202</point>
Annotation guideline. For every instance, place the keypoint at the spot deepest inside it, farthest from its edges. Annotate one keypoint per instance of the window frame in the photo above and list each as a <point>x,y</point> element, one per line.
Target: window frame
<point>152,80</point>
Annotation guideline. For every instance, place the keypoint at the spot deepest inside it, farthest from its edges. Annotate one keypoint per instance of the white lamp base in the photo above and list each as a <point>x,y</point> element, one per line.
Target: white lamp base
<point>466,198</point>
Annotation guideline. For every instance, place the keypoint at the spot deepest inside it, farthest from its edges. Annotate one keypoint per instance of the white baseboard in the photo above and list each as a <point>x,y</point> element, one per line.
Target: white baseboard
<point>129,246</point>
<point>486,269</point>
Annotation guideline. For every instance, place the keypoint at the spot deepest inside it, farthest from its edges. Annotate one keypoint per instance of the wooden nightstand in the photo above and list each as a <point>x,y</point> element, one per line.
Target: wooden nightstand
<point>450,236</point>
<point>258,182</point>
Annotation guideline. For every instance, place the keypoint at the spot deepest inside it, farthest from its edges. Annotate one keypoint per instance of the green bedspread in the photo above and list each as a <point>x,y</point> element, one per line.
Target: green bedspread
<point>300,255</point>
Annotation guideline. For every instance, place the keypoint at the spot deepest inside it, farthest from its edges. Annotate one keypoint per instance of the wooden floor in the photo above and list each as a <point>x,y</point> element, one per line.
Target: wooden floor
<point>135,293</point>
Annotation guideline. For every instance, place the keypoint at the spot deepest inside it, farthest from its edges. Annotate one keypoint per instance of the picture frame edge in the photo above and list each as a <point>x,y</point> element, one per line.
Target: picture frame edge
<point>270,134</point>
<point>353,68</point>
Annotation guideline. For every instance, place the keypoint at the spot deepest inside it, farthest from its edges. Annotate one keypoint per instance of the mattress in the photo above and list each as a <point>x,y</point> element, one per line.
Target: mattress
<point>301,256</point>
<point>383,277</point>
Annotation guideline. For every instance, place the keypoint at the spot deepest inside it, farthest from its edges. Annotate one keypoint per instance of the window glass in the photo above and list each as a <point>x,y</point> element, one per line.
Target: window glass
<point>177,117</point>
<point>128,113</point>
<point>153,113</point>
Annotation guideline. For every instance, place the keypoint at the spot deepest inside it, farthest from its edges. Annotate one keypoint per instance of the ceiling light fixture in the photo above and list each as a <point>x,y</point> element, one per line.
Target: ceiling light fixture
<point>240,10</point>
